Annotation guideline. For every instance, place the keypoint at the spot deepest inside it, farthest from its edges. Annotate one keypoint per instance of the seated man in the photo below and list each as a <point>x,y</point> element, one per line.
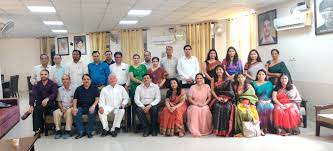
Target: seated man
<point>65,102</point>
<point>113,99</point>
<point>85,102</point>
<point>147,96</point>
<point>42,100</point>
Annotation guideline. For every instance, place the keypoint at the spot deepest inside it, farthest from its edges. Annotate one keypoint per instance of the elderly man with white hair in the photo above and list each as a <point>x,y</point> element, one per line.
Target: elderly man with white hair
<point>113,99</point>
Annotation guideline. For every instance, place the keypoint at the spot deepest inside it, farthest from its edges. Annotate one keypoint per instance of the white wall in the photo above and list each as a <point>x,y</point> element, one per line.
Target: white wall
<point>157,50</point>
<point>312,69</point>
<point>18,56</point>
<point>221,40</point>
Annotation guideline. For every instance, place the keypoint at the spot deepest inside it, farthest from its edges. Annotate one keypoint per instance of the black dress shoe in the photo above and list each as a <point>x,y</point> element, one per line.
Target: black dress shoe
<point>104,133</point>
<point>154,133</point>
<point>90,135</point>
<point>79,136</point>
<point>145,133</point>
<point>114,133</point>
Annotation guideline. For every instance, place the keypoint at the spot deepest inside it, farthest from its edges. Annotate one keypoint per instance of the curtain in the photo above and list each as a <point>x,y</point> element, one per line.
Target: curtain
<point>46,44</point>
<point>199,37</point>
<point>242,34</point>
<point>131,43</point>
<point>98,42</point>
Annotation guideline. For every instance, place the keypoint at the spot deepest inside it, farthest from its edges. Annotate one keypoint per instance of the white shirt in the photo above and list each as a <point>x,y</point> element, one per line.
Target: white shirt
<point>187,68</point>
<point>113,97</point>
<point>170,66</point>
<point>35,76</point>
<point>147,95</point>
<point>76,71</point>
<point>121,72</point>
<point>65,96</point>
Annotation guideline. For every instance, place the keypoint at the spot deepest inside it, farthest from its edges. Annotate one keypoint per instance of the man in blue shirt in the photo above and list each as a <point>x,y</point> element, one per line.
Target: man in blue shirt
<point>99,71</point>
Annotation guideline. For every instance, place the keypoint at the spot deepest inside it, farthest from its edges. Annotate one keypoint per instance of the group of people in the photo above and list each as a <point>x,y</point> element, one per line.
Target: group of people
<point>219,100</point>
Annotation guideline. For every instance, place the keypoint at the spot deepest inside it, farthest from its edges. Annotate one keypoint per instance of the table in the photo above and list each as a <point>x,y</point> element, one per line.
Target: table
<point>25,144</point>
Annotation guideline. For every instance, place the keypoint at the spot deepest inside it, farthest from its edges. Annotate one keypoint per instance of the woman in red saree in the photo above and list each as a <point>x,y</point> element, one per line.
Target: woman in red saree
<point>171,118</point>
<point>286,114</point>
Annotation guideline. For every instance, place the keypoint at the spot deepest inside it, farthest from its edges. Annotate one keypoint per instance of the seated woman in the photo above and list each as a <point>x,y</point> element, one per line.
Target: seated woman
<point>276,67</point>
<point>222,104</point>
<point>171,117</point>
<point>199,117</point>
<point>253,65</point>
<point>286,114</point>
<point>157,73</point>
<point>246,109</point>
<point>212,60</point>
<point>265,107</point>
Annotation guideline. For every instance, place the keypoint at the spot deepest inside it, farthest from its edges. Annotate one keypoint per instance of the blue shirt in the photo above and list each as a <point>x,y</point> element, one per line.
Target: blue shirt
<point>99,73</point>
<point>59,72</point>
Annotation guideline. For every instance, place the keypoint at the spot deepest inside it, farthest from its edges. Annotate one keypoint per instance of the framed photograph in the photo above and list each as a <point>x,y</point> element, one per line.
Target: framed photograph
<point>323,16</point>
<point>267,35</point>
<point>63,47</point>
<point>80,44</point>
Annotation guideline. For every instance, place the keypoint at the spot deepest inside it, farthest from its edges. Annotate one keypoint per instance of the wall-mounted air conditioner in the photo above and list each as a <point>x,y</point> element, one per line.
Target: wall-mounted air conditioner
<point>298,20</point>
<point>163,40</point>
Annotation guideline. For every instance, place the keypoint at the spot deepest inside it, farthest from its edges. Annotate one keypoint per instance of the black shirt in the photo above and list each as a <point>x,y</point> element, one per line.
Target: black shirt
<point>86,97</point>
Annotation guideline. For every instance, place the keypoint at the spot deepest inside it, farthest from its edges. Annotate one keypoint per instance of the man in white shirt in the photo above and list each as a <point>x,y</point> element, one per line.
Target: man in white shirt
<point>44,64</point>
<point>169,63</point>
<point>148,63</point>
<point>188,67</point>
<point>76,69</point>
<point>120,69</point>
<point>113,99</point>
<point>147,96</point>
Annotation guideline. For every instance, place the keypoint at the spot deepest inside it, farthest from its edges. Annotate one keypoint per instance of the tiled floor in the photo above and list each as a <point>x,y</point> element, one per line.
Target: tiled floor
<point>130,141</point>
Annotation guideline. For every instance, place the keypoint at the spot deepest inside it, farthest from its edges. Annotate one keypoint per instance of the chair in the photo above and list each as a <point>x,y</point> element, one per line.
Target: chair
<point>323,119</point>
<point>2,77</point>
<point>8,91</point>
<point>29,86</point>
<point>15,86</point>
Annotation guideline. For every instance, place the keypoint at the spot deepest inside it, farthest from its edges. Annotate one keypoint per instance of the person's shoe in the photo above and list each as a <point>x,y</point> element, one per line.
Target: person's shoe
<point>154,133</point>
<point>145,133</point>
<point>117,129</point>
<point>66,135</point>
<point>57,135</point>
<point>104,133</point>
<point>90,135</point>
<point>79,136</point>
<point>37,134</point>
<point>114,133</point>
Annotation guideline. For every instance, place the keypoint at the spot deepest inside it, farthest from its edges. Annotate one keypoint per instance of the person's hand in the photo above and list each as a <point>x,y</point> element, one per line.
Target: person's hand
<point>92,109</point>
<point>126,87</point>
<point>74,111</point>
<point>147,108</point>
<point>123,106</point>
<point>31,109</point>
<point>101,110</point>
<point>172,109</point>
<point>225,99</point>
<point>63,110</point>
<point>44,102</point>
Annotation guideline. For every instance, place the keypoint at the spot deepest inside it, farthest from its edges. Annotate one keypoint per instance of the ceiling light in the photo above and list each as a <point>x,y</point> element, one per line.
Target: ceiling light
<point>59,31</point>
<point>53,23</point>
<point>42,9</point>
<point>128,22</point>
<point>135,12</point>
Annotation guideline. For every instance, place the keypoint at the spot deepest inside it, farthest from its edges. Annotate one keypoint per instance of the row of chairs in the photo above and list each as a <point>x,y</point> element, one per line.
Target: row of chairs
<point>10,89</point>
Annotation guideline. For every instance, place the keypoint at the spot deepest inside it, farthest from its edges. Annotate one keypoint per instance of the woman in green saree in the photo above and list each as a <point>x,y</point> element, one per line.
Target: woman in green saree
<point>276,67</point>
<point>246,99</point>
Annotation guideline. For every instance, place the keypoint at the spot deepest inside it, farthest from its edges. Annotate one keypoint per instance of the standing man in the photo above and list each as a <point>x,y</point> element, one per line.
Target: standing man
<point>42,101</point>
<point>76,69</point>
<point>108,57</point>
<point>120,69</point>
<point>147,96</point>
<point>113,99</point>
<point>147,61</point>
<point>169,63</point>
<point>65,103</point>
<point>44,64</point>
<point>99,71</point>
<point>188,67</point>
<point>58,69</point>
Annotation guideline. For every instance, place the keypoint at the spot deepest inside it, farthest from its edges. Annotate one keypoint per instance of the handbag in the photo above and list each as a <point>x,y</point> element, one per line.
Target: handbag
<point>251,129</point>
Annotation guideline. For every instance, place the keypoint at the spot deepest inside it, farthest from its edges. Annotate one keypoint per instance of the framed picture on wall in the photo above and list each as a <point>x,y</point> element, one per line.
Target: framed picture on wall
<point>63,47</point>
<point>80,44</point>
<point>267,34</point>
<point>323,16</point>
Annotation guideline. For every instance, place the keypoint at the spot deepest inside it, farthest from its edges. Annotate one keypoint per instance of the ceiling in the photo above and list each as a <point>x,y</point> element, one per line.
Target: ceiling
<point>84,16</point>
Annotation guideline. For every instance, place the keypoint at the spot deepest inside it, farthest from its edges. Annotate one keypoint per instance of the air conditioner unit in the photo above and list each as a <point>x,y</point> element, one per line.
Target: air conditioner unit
<point>163,40</point>
<point>298,20</point>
